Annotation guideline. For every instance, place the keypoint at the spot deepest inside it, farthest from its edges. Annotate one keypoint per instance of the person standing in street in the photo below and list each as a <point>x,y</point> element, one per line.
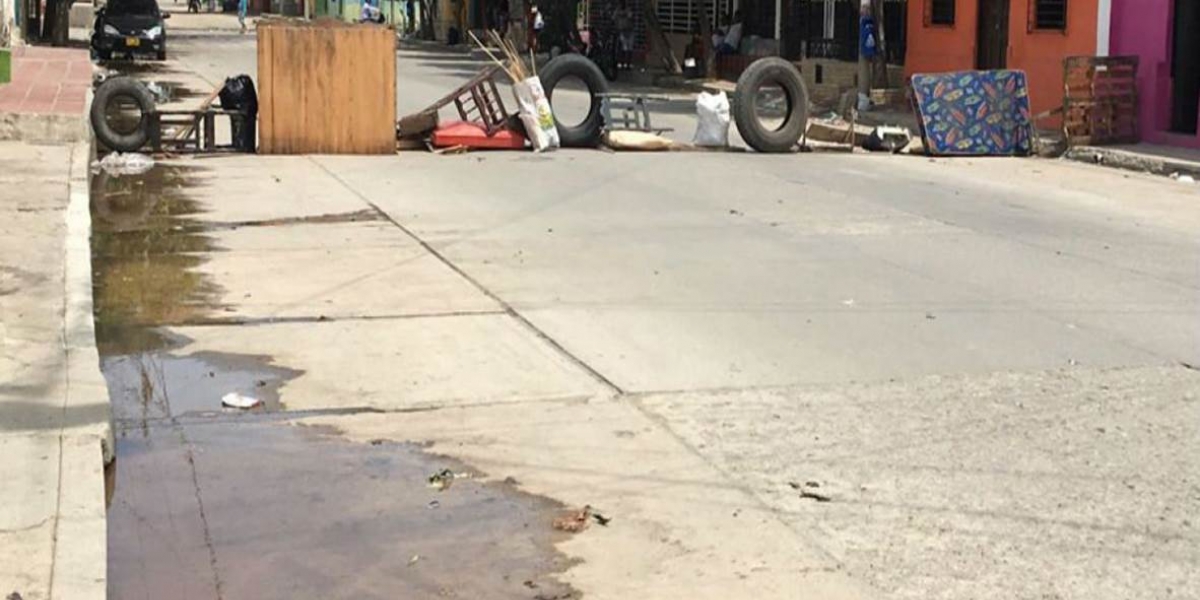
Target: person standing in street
<point>623,21</point>
<point>867,46</point>
<point>242,6</point>
<point>536,24</point>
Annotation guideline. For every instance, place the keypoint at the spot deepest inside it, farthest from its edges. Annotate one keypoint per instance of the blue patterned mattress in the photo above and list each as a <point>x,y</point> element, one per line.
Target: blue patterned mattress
<point>974,113</point>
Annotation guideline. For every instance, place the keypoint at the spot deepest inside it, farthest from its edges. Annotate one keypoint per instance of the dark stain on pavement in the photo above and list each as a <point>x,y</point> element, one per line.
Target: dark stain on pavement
<point>267,510</point>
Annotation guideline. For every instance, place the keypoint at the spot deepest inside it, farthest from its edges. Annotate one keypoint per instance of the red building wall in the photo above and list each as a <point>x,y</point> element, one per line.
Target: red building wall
<point>935,48</point>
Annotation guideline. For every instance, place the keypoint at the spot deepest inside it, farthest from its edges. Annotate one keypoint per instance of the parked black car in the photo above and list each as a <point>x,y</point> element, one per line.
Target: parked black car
<point>130,27</point>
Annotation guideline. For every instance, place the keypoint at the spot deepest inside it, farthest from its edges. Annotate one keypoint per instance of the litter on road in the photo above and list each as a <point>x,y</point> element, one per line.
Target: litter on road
<point>236,400</point>
<point>130,163</point>
<point>637,140</point>
<point>574,521</point>
<point>809,491</point>
<point>577,520</point>
<point>442,480</point>
<point>712,120</point>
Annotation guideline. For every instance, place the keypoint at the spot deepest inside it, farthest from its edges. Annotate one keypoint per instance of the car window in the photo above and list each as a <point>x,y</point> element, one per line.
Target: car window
<point>132,7</point>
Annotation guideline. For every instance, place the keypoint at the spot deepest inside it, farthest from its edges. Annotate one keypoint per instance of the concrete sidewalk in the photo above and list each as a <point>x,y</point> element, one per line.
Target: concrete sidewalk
<point>1148,158</point>
<point>54,412</point>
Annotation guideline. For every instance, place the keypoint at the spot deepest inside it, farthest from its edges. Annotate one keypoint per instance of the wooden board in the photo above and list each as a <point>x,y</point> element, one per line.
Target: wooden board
<point>326,87</point>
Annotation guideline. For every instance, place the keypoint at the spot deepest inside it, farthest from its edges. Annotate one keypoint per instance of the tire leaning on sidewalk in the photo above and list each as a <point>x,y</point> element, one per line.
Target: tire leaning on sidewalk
<point>107,95</point>
<point>768,72</point>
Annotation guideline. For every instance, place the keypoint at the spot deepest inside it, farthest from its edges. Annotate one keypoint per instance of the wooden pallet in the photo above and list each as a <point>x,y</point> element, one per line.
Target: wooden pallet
<point>1100,100</point>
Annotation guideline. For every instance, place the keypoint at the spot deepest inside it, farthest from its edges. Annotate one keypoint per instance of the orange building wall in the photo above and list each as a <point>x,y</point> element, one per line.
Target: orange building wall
<point>1039,53</point>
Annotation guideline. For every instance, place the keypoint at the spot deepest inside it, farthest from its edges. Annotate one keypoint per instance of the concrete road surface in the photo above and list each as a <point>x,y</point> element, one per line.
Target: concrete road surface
<point>790,376</point>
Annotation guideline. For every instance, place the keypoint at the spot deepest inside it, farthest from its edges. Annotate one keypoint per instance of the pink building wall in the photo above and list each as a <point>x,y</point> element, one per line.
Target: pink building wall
<point>1143,28</point>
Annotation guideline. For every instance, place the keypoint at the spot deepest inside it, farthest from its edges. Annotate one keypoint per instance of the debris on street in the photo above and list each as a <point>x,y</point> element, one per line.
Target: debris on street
<point>236,400</point>
<point>533,106</point>
<point>161,94</point>
<point>535,114</point>
<point>575,521</point>
<point>462,134</point>
<point>887,138</point>
<point>712,120</point>
<point>418,124</point>
<point>763,73</point>
<point>442,480</point>
<point>484,121</point>
<point>914,146</point>
<point>117,164</point>
<point>833,128</point>
<point>809,491</point>
<point>342,72</point>
<point>637,140</point>
<point>974,113</point>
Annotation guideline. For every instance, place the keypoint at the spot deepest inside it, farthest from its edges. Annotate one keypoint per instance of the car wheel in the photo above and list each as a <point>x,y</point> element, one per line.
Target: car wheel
<point>162,54</point>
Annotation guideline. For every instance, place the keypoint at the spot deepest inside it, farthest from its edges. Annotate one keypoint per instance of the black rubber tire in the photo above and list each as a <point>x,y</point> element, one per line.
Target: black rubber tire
<point>770,71</point>
<point>587,133</point>
<point>110,91</point>
<point>162,54</point>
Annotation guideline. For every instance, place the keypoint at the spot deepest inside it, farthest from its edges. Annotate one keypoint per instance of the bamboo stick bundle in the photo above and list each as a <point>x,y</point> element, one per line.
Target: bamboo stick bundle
<point>489,53</point>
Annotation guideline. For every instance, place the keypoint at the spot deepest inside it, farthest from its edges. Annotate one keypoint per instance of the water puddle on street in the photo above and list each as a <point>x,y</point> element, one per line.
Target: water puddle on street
<point>223,503</point>
<point>265,511</point>
<point>146,245</point>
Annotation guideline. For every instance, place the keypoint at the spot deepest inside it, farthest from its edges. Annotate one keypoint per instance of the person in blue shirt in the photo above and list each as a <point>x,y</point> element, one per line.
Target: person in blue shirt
<point>866,30</point>
<point>242,5</point>
<point>868,46</point>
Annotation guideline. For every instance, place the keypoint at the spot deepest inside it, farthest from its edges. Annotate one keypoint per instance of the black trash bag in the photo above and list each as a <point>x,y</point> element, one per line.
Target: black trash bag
<point>238,95</point>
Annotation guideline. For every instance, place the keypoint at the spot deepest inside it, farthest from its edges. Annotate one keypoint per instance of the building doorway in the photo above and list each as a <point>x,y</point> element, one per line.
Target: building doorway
<point>991,45</point>
<point>1185,67</point>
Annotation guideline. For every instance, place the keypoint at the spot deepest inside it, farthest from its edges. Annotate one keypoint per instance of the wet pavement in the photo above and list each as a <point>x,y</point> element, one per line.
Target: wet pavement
<point>266,510</point>
<point>212,502</point>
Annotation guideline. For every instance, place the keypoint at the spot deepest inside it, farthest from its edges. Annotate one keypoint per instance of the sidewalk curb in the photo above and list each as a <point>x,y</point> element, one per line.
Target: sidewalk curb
<point>80,561</point>
<point>1131,161</point>
<point>84,381</point>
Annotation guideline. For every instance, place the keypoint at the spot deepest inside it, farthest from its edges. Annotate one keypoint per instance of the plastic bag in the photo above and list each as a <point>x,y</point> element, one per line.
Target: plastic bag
<point>535,113</point>
<point>130,163</point>
<point>238,94</point>
<point>712,120</point>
